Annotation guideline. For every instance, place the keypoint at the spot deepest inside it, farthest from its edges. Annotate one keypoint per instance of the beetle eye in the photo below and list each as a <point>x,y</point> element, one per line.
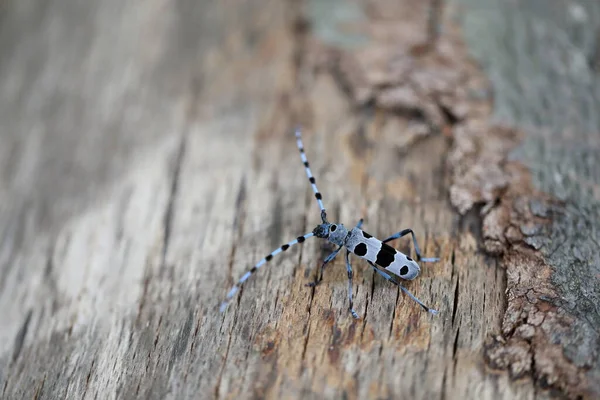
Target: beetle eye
<point>332,228</point>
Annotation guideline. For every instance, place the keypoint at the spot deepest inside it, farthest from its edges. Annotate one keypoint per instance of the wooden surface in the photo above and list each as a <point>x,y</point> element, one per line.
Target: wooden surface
<point>147,161</point>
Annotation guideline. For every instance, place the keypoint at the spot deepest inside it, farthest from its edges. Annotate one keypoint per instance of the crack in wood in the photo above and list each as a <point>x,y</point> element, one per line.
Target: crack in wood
<point>173,192</point>
<point>87,378</point>
<point>20,338</point>
<point>39,389</point>
<point>455,304</point>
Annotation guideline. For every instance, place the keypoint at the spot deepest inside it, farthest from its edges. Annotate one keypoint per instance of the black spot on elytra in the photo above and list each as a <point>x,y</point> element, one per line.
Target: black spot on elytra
<point>385,256</point>
<point>404,270</point>
<point>360,249</point>
<point>366,235</point>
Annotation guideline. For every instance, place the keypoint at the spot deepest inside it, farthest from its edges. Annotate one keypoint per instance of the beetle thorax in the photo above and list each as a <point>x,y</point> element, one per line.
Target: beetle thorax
<point>338,235</point>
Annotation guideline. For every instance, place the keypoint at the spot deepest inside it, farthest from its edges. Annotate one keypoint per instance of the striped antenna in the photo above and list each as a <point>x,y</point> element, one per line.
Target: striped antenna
<point>262,262</point>
<point>309,174</point>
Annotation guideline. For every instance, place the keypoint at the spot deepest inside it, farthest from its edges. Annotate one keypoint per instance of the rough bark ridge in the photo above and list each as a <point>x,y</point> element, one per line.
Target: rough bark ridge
<point>539,199</point>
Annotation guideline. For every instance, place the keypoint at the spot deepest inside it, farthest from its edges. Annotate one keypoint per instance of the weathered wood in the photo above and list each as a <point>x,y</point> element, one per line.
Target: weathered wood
<point>147,161</point>
<point>544,225</point>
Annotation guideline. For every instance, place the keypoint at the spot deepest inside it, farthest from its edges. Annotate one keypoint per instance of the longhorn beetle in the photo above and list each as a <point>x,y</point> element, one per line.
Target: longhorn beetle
<point>385,260</point>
